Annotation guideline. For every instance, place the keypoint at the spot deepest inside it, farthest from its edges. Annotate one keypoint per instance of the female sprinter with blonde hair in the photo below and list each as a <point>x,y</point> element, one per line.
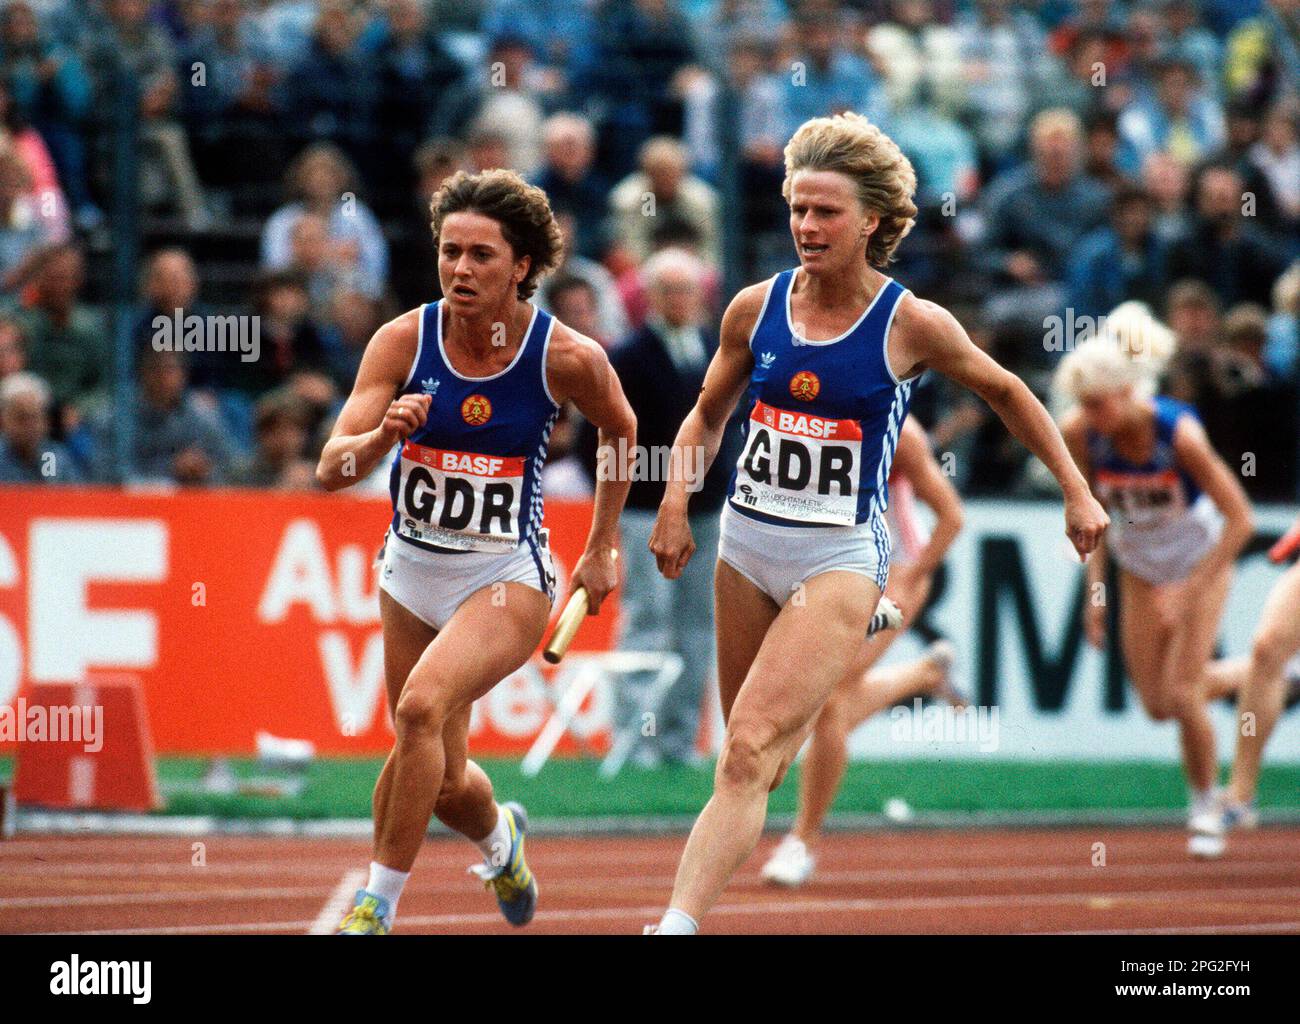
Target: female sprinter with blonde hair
<point>1179,518</point>
<point>829,352</point>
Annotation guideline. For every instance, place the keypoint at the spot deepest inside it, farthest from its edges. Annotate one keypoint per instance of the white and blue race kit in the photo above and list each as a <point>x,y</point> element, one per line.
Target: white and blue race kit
<point>1161,525</point>
<point>466,486</point>
<point>809,492</point>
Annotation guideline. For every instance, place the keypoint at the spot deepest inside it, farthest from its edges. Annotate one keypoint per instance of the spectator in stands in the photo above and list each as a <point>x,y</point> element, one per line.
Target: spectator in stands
<point>49,88</point>
<point>414,276</point>
<point>941,150</point>
<point>663,188</point>
<point>915,53</point>
<point>67,342</point>
<point>294,353</point>
<point>170,282</point>
<point>570,181</point>
<point>27,454</point>
<point>1180,119</point>
<point>1081,80</point>
<point>353,318</point>
<point>175,438</point>
<point>1222,247</point>
<point>509,99</point>
<point>1262,59</point>
<point>611,314</point>
<point>415,72</point>
<point>1282,351</point>
<point>1121,261</point>
<point>284,27</point>
<point>1277,157</point>
<point>323,183</point>
<point>1003,53</point>
<point>45,193</point>
<point>828,78</point>
<point>167,175</point>
<point>1101,150</point>
<point>24,233</point>
<point>1034,217</point>
<point>13,348</point>
<point>1186,39</point>
<point>229,101</point>
<point>640,48</point>
<point>283,423</point>
<point>572,300</point>
<point>662,367</point>
<point>1168,183</point>
<point>560,32</point>
<point>331,93</point>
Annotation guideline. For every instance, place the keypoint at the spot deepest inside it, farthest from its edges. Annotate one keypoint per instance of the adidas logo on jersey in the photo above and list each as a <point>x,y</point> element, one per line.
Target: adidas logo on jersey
<point>430,385</point>
<point>766,360</point>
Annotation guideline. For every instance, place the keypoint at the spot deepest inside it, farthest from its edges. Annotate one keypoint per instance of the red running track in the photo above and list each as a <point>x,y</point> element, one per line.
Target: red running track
<point>921,881</point>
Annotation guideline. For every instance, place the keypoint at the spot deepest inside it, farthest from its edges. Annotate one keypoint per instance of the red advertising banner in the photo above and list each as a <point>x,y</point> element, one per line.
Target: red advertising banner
<point>241,612</point>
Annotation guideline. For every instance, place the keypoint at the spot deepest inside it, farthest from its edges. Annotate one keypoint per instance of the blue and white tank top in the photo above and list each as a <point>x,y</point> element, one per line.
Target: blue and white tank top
<point>824,417</point>
<point>1151,494</point>
<point>1161,525</point>
<point>470,479</point>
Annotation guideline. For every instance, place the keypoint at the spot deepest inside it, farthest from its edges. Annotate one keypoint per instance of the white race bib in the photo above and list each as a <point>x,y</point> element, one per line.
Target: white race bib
<point>1144,501</point>
<point>459,500</point>
<point>800,467</point>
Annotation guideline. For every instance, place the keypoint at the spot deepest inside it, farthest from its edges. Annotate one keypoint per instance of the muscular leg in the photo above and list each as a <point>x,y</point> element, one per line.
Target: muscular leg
<point>481,645</point>
<point>1276,640</point>
<point>405,639</point>
<point>1143,641</point>
<point>858,696</point>
<point>465,803</point>
<point>741,614</point>
<point>807,650</point>
<point>1189,651</point>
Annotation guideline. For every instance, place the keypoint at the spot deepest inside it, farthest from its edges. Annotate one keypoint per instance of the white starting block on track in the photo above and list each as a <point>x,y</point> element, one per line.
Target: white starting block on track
<point>578,687</point>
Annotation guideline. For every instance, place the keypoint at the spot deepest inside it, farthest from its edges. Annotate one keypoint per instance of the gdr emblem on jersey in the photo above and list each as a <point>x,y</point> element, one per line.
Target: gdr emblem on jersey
<point>476,410</point>
<point>804,385</point>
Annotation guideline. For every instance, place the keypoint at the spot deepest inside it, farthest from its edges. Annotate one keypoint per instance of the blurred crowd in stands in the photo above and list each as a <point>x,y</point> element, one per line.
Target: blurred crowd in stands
<point>1071,155</point>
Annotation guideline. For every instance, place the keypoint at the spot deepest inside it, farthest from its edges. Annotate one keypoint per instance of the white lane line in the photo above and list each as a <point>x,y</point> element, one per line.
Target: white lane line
<point>1214,870</point>
<point>773,908</point>
<point>181,897</point>
<point>340,899</point>
<point>1251,928</point>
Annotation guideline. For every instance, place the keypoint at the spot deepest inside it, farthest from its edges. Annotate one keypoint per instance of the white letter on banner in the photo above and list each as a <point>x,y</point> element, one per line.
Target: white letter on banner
<point>64,556</point>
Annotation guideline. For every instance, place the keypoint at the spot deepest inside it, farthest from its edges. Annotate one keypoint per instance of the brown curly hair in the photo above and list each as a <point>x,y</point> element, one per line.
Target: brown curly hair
<point>883,176</point>
<point>522,210</point>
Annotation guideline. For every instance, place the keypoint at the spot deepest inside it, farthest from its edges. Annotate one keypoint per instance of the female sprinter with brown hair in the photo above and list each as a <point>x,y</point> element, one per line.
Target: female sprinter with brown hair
<point>469,388</point>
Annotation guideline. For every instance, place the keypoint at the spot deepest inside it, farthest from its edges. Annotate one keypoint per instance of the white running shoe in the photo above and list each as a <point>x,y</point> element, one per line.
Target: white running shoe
<point>1206,831</point>
<point>790,864</point>
<point>887,616</point>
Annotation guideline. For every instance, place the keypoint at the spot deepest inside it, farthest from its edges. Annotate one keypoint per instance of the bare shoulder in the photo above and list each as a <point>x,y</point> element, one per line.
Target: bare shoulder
<point>918,318</point>
<point>574,362</point>
<point>742,313</point>
<point>391,349</point>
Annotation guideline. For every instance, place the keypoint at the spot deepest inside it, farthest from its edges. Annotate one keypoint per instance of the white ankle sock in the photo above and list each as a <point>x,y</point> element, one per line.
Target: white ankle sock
<point>387,883</point>
<point>677,922</point>
<point>495,846</point>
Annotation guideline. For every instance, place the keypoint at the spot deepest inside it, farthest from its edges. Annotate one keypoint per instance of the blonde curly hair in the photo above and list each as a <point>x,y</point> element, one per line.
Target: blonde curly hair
<point>883,177</point>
